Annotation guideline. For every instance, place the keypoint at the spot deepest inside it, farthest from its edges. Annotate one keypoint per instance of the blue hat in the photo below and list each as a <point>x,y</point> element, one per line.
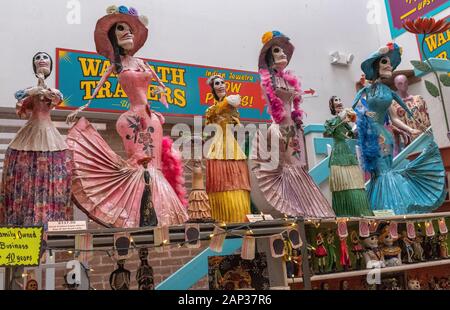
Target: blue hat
<point>392,50</point>
<point>271,38</point>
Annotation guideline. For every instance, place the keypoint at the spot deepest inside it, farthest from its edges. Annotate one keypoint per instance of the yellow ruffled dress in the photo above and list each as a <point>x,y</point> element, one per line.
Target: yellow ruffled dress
<point>227,177</point>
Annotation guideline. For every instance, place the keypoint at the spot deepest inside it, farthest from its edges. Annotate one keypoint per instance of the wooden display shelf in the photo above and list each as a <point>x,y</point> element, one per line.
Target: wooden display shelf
<point>356,273</point>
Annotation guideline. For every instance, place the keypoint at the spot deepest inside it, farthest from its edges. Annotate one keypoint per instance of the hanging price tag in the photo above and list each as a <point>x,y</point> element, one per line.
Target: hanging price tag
<point>442,226</point>
<point>393,229</point>
<point>364,228</point>
<point>342,228</point>
<point>411,230</point>
<point>429,228</point>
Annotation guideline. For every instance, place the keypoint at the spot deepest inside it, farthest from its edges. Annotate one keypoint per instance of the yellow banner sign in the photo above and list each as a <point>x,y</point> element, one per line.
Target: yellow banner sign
<point>20,246</point>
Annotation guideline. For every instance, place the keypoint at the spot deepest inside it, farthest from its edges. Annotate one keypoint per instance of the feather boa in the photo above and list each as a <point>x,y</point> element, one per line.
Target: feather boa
<point>368,140</point>
<point>172,168</point>
<point>276,105</point>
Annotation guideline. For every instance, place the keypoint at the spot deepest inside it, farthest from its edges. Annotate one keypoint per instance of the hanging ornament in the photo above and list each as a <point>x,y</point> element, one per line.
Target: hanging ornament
<point>122,245</point>
<point>277,247</point>
<point>442,226</point>
<point>32,285</point>
<point>248,248</point>
<point>411,230</point>
<point>393,229</point>
<point>144,274</point>
<point>364,228</point>
<point>373,226</point>
<point>217,239</point>
<point>429,228</point>
<point>84,242</point>
<point>161,238</point>
<point>342,228</point>
<point>192,235</point>
<point>294,237</point>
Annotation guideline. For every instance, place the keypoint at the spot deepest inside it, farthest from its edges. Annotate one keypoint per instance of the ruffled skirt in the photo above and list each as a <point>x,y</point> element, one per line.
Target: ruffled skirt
<point>110,190</point>
<point>36,187</point>
<point>417,188</point>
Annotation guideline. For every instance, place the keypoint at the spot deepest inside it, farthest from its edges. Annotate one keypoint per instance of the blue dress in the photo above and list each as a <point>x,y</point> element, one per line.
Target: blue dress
<point>417,188</point>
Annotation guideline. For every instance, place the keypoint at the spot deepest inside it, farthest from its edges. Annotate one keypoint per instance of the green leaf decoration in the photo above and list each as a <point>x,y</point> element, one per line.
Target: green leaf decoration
<point>432,89</point>
<point>421,66</point>
<point>445,79</point>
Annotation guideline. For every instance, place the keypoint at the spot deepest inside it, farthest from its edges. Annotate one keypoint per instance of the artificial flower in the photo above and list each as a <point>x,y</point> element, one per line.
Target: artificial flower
<point>111,9</point>
<point>426,25</point>
<point>133,11</point>
<point>123,9</point>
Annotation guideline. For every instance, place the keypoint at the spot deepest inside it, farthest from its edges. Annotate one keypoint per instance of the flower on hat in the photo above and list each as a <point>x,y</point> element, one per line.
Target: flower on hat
<point>267,37</point>
<point>144,20</point>
<point>111,9</point>
<point>123,9</point>
<point>133,11</point>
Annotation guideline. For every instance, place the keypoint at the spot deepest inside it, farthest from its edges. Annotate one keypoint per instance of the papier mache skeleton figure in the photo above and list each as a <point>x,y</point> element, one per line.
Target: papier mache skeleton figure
<point>36,183</point>
<point>144,275</point>
<point>282,185</point>
<point>113,191</point>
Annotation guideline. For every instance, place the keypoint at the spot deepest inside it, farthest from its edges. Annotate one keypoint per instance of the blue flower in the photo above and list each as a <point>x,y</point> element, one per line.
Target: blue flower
<point>277,33</point>
<point>20,94</point>
<point>123,9</point>
<point>133,11</point>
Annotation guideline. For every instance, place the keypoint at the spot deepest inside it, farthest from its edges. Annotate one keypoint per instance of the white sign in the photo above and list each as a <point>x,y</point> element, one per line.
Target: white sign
<point>388,212</point>
<point>67,226</point>
<point>252,218</point>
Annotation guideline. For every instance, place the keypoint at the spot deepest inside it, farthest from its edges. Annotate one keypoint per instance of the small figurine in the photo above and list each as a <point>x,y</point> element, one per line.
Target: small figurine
<point>443,246</point>
<point>344,286</point>
<point>418,249</point>
<point>443,283</point>
<point>331,250</point>
<point>297,260</point>
<point>414,284</point>
<point>430,248</point>
<point>199,209</point>
<point>144,275</point>
<point>32,285</point>
<point>357,249</point>
<point>373,255</point>
<point>391,252</point>
<point>408,248</point>
<point>433,284</point>
<point>324,286</point>
<point>321,253</point>
<point>120,278</point>
<point>394,285</point>
<point>345,257</point>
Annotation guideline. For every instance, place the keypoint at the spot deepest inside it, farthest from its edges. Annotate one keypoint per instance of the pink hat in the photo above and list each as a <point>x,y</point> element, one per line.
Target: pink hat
<point>116,15</point>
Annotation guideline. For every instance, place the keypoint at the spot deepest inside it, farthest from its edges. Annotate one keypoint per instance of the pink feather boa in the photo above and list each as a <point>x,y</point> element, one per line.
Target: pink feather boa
<point>172,168</point>
<point>276,105</point>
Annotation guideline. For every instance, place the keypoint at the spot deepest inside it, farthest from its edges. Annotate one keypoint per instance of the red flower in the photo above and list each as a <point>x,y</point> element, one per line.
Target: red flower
<point>426,25</point>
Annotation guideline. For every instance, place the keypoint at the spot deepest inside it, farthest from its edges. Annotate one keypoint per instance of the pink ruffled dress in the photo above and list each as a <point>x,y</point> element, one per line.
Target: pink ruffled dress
<point>109,188</point>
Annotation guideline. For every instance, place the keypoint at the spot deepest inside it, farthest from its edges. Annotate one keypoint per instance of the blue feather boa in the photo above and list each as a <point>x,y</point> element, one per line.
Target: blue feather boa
<point>368,134</point>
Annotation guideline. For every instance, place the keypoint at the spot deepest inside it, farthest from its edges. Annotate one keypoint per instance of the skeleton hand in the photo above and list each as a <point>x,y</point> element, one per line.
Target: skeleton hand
<point>234,100</point>
<point>159,90</point>
<point>73,115</point>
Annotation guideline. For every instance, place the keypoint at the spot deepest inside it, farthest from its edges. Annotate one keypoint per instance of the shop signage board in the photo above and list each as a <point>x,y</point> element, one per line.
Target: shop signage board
<point>78,72</point>
<point>435,45</point>
<point>400,10</point>
<point>20,246</point>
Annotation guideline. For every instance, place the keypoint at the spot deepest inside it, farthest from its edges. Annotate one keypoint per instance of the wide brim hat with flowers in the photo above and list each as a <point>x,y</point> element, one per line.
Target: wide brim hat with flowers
<point>392,50</point>
<point>120,14</point>
<point>270,39</point>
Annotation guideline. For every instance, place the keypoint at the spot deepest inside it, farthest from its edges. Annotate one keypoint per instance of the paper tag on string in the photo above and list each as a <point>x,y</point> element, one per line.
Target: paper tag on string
<point>217,240</point>
<point>429,228</point>
<point>411,230</point>
<point>342,228</point>
<point>161,238</point>
<point>393,229</point>
<point>248,248</point>
<point>364,228</point>
<point>192,235</point>
<point>277,248</point>
<point>294,237</point>
<point>84,242</point>
<point>442,226</point>
<point>122,246</point>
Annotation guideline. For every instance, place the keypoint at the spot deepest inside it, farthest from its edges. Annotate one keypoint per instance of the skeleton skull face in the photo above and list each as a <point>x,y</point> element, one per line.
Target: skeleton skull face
<point>414,284</point>
<point>385,69</point>
<point>32,285</point>
<point>279,57</point>
<point>338,105</point>
<point>219,87</point>
<point>401,83</point>
<point>124,36</point>
<point>371,242</point>
<point>42,63</point>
